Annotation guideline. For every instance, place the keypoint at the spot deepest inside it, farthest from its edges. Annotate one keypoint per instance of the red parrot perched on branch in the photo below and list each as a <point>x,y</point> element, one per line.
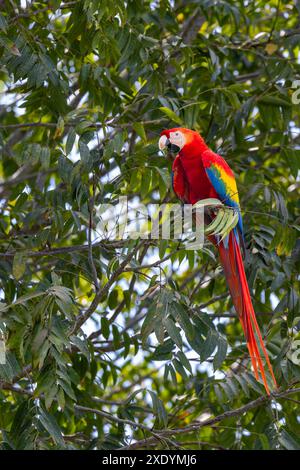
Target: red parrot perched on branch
<point>199,173</point>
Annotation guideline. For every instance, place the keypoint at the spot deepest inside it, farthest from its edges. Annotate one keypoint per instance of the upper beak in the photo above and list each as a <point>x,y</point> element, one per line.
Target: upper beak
<point>163,142</point>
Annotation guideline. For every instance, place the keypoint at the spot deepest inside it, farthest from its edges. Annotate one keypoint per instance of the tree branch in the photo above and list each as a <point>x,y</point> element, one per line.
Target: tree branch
<point>217,419</point>
<point>115,419</point>
<point>65,249</point>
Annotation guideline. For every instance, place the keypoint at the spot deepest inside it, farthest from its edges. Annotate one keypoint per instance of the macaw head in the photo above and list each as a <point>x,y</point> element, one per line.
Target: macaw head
<point>180,139</point>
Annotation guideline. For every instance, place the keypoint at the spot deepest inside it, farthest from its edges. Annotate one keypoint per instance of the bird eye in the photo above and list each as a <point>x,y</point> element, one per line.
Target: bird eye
<point>177,134</point>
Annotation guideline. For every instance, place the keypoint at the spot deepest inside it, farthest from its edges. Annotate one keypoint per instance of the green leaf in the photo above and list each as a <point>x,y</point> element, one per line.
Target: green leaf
<point>11,368</point>
<point>116,337</point>
<point>173,331</point>
<point>184,320</point>
<point>221,352</point>
<point>81,345</point>
<point>61,398</point>
<point>140,130</point>
<point>3,23</point>
<point>184,361</point>
<point>264,442</point>
<point>49,423</point>
<point>24,298</point>
<point>45,157</point>
<point>171,115</point>
<point>84,152</point>
<point>163,351</point>
<point>50,395</point>
<point>274,100</point>
<point>64,382</point>
<point>209,345</point>
<point>105,327</point>
<point>70,140</point>
<point>122,84</point>
<point>19,266</point>
<point>287,441</point>
<point>159,409</point>
<point>149,323</point>
<point>180,369</point>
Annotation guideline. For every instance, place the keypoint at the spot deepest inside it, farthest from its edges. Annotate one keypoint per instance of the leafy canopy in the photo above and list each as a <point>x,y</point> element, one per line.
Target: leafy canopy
<point>135,343</point>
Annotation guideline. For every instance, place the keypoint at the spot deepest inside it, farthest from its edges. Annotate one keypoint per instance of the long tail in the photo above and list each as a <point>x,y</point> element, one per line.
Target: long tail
<point>233,266</point>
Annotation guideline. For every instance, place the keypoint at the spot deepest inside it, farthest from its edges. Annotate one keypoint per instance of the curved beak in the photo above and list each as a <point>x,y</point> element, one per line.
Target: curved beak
<point>165,142</point>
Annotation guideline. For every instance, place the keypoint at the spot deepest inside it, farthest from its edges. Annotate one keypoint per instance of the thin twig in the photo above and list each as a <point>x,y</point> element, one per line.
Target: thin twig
<point>133,424</point>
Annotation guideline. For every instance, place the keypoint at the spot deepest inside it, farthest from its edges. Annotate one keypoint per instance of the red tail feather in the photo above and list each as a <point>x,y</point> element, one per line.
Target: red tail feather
<point>232,262</point>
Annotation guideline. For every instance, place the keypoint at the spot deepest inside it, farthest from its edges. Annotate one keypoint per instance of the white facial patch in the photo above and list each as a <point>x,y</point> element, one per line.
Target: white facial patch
<point>177,138</point>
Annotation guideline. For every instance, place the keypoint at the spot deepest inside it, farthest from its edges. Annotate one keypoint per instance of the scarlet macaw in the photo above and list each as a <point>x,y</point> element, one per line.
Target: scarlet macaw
<point>199,173</point>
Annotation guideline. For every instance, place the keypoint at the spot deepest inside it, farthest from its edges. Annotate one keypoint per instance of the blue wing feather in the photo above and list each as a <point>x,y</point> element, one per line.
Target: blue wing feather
<point>215,166</point>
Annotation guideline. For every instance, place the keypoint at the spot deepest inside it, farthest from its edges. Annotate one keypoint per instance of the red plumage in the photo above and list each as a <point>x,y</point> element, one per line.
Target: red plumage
<point>233,266</point>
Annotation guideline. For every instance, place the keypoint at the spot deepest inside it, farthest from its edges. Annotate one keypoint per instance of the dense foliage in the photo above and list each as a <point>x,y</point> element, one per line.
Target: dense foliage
<point>135,343</point>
